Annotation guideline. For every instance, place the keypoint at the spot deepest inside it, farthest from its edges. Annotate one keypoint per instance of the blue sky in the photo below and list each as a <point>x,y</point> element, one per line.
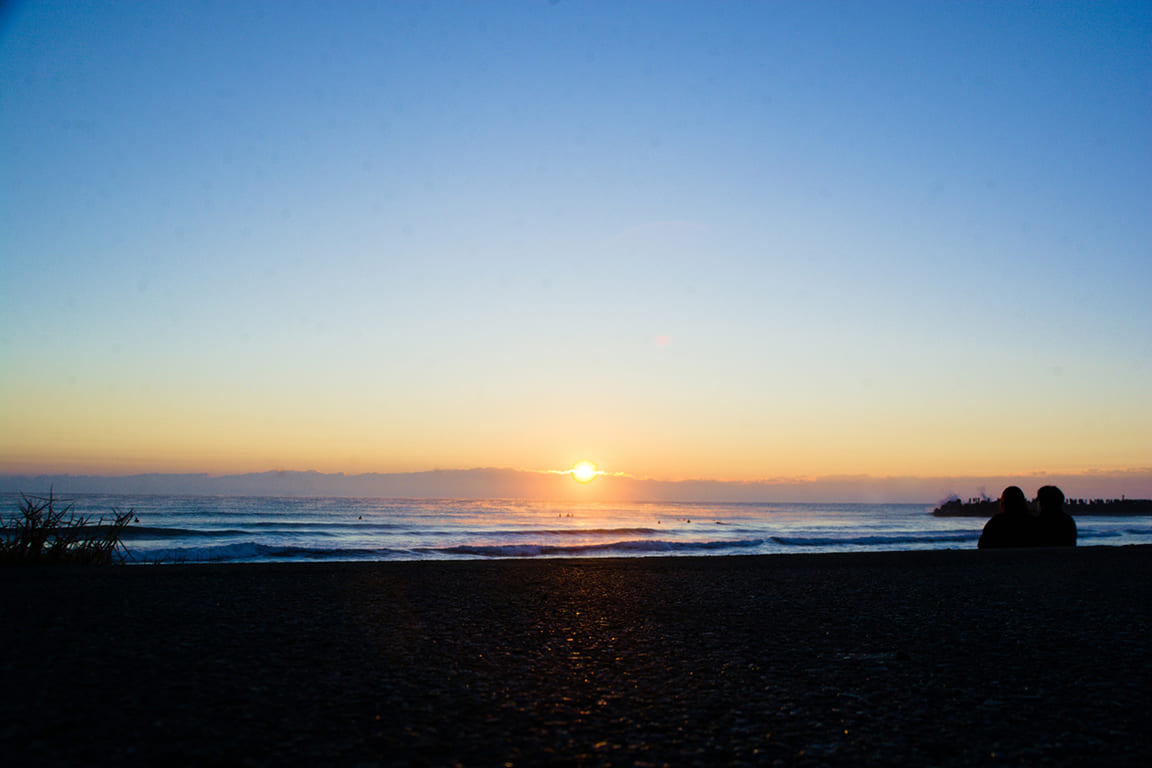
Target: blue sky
<point>736,240</point>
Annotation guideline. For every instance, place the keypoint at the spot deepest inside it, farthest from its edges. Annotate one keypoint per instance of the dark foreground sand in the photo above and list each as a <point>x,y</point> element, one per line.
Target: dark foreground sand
<point>916,658</point>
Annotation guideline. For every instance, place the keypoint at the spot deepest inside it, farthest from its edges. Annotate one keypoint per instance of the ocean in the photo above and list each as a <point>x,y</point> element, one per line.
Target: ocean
<point>217,529</point>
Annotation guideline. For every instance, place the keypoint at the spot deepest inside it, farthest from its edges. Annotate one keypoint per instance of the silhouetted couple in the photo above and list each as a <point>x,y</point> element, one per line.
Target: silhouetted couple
<point>1017,524</point>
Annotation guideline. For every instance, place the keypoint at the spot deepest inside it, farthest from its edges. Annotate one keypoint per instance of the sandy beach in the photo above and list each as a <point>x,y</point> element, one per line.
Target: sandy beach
<point>913,658</point>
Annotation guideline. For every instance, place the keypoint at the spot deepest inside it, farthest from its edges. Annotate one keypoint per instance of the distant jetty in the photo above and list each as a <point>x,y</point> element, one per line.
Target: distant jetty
<point>986,507</point>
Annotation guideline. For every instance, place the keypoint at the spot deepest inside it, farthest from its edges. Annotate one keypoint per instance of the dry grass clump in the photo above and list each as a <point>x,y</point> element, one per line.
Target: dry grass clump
<point>42,533</point>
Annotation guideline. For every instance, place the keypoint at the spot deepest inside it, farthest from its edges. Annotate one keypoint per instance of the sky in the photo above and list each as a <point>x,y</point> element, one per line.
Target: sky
<point>725,241</point>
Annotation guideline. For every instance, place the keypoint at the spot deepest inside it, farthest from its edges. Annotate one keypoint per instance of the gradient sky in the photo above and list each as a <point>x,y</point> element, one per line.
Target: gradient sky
<point>716,240</point>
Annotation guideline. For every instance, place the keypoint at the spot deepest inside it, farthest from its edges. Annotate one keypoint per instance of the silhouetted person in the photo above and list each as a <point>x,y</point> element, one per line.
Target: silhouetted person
<point>1057,528</point>
<point>1013,525</point>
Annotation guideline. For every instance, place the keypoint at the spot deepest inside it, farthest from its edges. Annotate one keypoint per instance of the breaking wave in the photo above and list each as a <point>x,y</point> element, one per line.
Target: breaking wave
<point>251,551</point>
<point>256,551</point>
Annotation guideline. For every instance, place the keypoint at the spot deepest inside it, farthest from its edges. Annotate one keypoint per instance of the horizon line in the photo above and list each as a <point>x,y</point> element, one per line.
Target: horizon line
<point>773,480</point>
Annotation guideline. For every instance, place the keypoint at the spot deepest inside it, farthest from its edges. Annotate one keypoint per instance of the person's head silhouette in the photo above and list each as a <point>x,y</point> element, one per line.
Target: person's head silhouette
<point>1013,526</point>
<point>1050,499</point>
<point>1013,501</point>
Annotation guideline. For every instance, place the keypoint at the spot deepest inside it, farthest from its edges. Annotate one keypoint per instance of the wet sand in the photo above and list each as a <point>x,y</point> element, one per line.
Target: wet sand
<point>914,658</point>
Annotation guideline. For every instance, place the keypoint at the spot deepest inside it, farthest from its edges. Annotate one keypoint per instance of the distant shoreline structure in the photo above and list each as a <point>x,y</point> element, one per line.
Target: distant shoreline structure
<point>985,507</point>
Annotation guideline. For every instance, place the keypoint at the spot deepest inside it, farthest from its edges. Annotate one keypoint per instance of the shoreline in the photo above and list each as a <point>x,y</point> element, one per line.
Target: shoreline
<point>947,657</point>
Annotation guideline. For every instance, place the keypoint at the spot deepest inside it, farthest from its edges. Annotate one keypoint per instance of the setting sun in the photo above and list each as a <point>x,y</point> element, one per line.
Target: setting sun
<point>584,471</point>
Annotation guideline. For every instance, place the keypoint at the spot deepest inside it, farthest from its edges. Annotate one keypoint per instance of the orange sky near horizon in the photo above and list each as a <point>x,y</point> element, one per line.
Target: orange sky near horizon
<point>224,441</point>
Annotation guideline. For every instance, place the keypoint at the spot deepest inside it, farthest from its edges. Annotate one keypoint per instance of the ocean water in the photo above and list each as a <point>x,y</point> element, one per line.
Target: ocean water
<point>260,529</point>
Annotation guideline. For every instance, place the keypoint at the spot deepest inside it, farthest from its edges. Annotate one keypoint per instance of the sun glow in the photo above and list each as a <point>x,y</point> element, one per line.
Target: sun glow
<point>584,471</point>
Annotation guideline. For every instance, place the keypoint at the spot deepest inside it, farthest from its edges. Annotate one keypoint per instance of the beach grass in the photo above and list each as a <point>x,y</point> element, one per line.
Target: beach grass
<point>45,530</point>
